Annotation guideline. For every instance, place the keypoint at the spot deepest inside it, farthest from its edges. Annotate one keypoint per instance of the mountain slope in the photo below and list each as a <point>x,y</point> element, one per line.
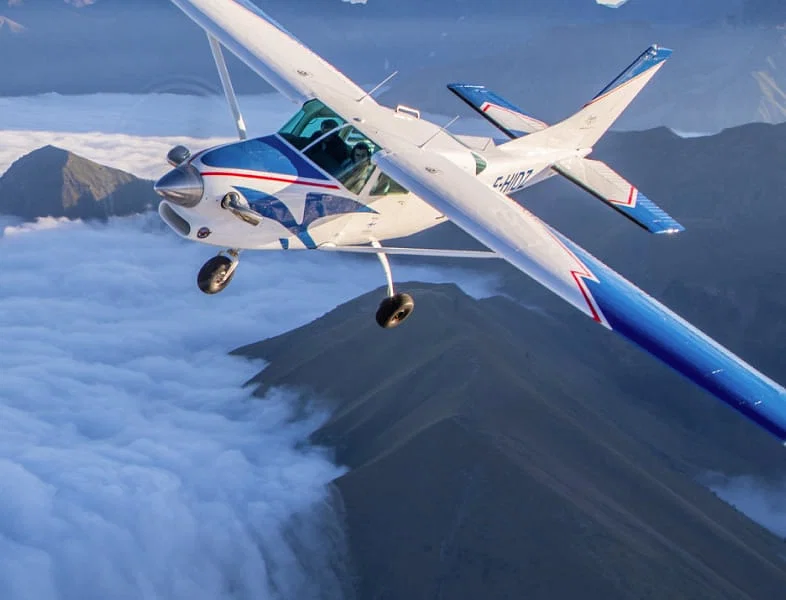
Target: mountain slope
<point>492,457</point>
<point>53,182</point>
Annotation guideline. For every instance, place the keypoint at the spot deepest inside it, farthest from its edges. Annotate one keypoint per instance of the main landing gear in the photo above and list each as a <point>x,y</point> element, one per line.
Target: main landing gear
<point>394,309</point>
<point>216,273</point>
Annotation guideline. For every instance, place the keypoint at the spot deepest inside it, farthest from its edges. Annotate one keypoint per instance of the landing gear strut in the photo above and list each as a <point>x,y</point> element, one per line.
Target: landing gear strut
<point>394,309</point>
<point>216,273</point>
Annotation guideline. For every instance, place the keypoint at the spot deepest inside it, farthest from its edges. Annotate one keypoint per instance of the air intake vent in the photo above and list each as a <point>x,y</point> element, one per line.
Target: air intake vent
<point>174,220</point>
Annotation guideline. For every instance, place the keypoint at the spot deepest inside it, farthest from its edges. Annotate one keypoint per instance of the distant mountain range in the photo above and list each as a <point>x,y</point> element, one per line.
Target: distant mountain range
<point>52,182</point>
<point>675,10</point>
<point>12,26</point>
<point>548,57</point>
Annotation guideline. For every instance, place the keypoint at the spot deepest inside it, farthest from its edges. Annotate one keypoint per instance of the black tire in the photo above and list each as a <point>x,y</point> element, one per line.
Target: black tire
<point>393,311</point>
<point>212,277</point>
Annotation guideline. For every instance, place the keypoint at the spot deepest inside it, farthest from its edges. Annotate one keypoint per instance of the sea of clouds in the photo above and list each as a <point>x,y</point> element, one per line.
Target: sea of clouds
<point>133,464</point>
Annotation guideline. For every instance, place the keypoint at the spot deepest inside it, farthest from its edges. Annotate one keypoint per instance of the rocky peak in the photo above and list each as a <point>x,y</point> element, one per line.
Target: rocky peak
<point>54,182</point>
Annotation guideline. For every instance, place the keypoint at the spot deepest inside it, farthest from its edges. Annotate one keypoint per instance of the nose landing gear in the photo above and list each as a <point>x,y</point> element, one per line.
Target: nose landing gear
<point>394,309</point>
<point>217,272</point>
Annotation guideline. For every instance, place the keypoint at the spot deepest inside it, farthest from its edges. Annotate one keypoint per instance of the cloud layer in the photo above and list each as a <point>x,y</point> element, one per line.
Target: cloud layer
<point>132,463</point>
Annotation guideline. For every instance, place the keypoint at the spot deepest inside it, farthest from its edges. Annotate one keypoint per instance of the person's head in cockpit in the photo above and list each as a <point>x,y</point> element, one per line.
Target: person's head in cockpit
<point>360,152</point>
<point>327,126</point>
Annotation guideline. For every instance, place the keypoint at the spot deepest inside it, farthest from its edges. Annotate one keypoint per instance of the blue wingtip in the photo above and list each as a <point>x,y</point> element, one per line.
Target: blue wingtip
<point>651,57</point>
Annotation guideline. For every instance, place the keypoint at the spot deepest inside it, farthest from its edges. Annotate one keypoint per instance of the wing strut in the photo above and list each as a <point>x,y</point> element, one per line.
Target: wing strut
<point>431,252</point>
<point>226,83</point>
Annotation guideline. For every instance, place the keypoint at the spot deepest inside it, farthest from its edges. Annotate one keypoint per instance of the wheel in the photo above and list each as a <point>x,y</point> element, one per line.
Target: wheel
<point>212,276</point>
<point>394,310</point>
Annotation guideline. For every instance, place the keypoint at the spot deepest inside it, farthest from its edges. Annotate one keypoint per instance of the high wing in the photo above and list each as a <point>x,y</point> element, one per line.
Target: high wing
<point>569,271</point>
<point>268,49</point>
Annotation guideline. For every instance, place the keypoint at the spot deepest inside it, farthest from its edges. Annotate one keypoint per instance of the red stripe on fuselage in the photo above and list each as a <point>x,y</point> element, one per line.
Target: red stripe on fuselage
<point>329,186</point>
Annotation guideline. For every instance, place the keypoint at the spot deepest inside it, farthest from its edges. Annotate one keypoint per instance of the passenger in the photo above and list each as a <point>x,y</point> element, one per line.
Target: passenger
<point>357,168</point>
<point>360,152</point>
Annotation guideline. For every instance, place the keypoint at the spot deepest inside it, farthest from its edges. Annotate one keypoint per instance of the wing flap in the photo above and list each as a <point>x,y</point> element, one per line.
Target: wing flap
<point>268,49</point>
<point>595,289</point>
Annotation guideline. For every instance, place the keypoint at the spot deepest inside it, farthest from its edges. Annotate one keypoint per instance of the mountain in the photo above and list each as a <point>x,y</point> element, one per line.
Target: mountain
<point>12,26</point>
<point>493,454</point>
<point>53,182</point>
<point>666,9</point>
<point>725,70</point>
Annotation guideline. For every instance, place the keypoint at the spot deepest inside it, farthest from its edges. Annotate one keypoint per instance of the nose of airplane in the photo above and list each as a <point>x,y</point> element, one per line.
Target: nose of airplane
<point>182,186</point>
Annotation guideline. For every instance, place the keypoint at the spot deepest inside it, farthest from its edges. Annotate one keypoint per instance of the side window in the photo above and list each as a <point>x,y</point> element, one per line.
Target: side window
<point>385,185</point>
<point>356,176</point>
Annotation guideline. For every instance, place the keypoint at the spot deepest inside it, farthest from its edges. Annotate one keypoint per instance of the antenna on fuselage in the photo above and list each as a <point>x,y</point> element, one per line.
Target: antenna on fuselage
<point>379,85</point>
<point>441,129</point>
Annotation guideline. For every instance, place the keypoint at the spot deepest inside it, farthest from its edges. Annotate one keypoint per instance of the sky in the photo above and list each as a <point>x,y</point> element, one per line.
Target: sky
<point>133,464</point>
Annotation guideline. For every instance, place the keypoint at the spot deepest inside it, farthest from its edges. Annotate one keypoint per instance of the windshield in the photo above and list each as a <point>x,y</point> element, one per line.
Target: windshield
<point>335,146</point>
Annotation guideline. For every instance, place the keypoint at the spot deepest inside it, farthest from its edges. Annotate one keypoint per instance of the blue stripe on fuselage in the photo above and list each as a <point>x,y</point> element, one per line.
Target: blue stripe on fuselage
<point>640,318</point>
<point>267,154</point>
<point>316,207</point>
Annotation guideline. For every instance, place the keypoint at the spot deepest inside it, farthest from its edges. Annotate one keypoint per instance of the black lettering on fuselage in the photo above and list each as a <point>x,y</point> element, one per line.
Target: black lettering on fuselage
<point>512,182</point>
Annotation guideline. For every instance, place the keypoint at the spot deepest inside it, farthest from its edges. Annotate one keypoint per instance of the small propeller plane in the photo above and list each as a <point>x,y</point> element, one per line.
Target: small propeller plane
<point>346,173</point>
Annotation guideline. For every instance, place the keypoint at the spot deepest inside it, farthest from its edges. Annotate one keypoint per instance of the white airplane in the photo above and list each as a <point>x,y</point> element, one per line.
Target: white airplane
<point>346,173</point>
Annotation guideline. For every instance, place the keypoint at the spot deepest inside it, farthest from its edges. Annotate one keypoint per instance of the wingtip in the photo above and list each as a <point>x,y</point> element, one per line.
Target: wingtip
<point>659,53</point>
<point>671,229</point>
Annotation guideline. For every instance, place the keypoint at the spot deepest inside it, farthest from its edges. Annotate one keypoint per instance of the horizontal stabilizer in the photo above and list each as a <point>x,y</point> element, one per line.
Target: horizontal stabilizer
<point>501,113</point>
<point>607,185</point>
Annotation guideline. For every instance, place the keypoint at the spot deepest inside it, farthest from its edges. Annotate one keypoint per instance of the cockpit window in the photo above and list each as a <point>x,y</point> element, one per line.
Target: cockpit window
<point>337,147</point>
<point>306,125</point>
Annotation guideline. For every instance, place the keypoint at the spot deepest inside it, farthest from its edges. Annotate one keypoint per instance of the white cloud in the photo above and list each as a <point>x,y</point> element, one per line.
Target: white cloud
<point>611,3</point>
<point>132,463</point>
<point>143,115</point>
<point>761,501</point>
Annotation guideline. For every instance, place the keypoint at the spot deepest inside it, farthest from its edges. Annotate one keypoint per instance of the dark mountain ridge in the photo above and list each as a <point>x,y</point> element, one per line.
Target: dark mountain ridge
<point>493,455</point>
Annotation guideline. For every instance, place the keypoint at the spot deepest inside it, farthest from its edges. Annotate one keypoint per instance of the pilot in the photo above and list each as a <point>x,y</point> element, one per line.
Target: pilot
<point>331,151</point>
<point>325,127</point>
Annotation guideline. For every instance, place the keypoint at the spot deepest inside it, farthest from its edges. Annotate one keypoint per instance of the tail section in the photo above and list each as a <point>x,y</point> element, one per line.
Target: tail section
<point>507,117</point>
<point>610,187</point>
<point>586,127</point>
<point>572,139</point>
